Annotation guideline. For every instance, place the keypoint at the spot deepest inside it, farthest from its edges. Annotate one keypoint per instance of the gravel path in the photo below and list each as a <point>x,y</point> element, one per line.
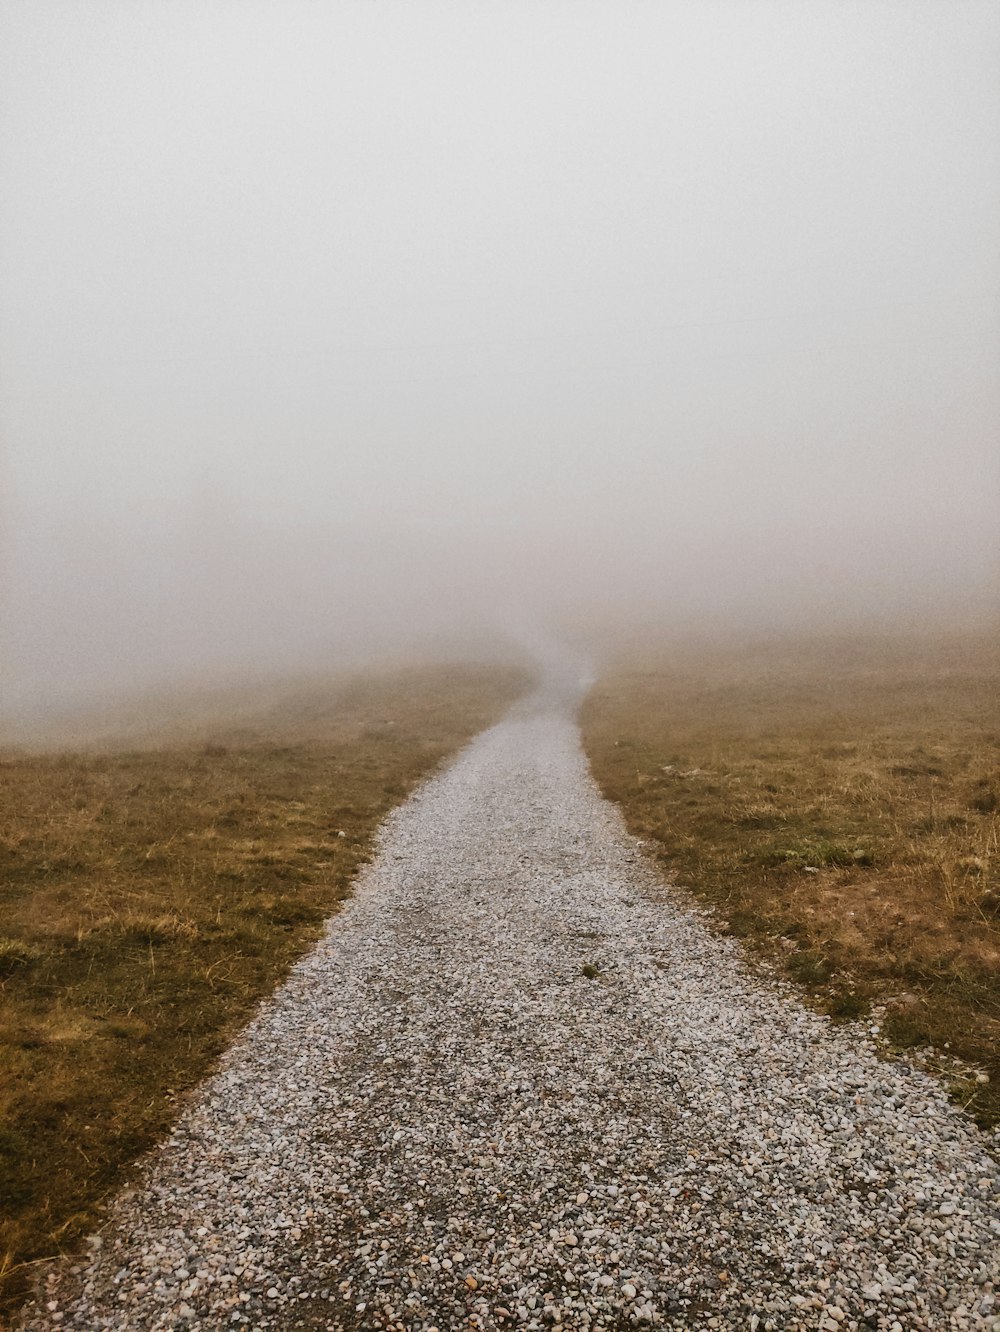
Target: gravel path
<point>520,1084</point>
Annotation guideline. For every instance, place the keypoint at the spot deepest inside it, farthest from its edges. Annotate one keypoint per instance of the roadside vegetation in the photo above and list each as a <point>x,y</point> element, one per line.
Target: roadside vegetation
<point>153,889</point>
<point>838,805</point>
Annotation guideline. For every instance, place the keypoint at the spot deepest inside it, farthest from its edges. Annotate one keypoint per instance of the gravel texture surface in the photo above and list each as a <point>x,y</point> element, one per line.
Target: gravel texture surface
<point>520,1084</point>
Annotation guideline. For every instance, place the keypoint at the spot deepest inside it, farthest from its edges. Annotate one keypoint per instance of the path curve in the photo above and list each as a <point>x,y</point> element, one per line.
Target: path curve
<point>519,1084</point>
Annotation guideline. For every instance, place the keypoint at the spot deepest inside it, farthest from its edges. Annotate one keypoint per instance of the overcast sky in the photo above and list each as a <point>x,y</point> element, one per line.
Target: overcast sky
<point>326,325</point>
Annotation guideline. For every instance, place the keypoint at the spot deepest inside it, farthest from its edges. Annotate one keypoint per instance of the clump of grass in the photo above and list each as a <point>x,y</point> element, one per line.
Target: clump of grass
<point>15,954</point>
<point>810,967</point>
<point>985,801</point>
<point>153,892</point>
<point>144,929</point>
<point>848,1005</point>
<point>810,855</point>
<point>905,1029</point>
<point>836,803</point>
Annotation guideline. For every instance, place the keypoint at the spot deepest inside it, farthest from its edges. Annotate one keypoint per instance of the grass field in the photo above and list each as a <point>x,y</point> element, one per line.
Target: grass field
<point>838,804</point>
<point>152,893</point>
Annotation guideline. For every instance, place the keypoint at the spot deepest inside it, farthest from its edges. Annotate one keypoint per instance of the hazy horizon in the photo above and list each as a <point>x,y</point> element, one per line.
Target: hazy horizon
<point>337,330</point>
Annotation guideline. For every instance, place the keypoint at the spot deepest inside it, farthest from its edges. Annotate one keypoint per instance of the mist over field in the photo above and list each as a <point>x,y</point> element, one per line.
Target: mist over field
<point>337,330</point>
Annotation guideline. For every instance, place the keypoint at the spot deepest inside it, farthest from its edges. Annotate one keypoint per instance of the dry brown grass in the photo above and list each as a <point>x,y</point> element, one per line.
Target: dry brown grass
<point>838,804</point>
<point>151,896</point>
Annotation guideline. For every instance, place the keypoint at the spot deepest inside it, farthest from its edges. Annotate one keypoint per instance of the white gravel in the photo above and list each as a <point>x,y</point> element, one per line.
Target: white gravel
<point>441,1121</point>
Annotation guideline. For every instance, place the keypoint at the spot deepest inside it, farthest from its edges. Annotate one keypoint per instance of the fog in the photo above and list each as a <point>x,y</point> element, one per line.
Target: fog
<point>336,329</point>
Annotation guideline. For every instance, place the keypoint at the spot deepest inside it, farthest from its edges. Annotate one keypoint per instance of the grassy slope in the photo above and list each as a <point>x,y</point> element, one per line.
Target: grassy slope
<point>838,804</point>
<point>150,897</point>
